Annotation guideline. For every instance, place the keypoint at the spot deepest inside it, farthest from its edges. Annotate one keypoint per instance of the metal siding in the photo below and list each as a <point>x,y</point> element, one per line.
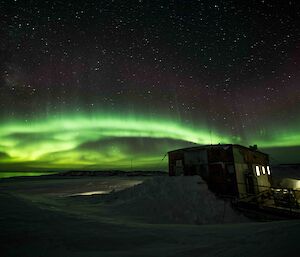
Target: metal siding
<point>195,162</point>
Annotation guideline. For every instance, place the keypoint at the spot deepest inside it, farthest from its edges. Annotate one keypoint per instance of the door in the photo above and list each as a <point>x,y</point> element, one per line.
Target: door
<point>178,167</point>
<point>217,179</point>
<point>249,184</point>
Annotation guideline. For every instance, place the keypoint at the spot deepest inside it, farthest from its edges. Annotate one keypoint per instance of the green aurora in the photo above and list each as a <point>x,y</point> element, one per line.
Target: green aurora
<point>109,141</point>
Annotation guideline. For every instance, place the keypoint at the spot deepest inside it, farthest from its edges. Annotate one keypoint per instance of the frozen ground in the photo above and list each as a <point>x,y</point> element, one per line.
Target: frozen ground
<point>141,216</point>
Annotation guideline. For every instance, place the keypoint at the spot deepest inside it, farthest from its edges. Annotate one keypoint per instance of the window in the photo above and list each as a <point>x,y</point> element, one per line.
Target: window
<point>257,170</point>
<point>178,163</point>
<point>263,170</point>
<point>268,170</point>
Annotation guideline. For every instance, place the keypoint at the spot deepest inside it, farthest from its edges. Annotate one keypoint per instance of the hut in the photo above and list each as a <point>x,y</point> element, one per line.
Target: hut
<point>229,169</point>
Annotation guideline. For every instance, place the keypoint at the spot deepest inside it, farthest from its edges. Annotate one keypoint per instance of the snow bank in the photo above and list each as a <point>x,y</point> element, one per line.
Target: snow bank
<point>184,200</point>
<point>290,183</point>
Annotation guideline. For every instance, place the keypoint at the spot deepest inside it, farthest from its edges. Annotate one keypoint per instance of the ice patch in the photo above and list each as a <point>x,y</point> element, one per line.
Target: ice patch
<point>91,193</point>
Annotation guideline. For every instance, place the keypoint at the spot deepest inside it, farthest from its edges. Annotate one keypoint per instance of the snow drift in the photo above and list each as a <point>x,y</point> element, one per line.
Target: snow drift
<point>184,200</point>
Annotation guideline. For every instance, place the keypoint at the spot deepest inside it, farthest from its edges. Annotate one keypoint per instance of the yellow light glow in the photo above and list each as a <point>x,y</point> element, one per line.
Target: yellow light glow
<point>268,170</point>
<point>257,170</point>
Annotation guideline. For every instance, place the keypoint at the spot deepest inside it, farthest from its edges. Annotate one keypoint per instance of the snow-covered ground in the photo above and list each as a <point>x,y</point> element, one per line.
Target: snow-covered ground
<point>131,216</point>
<point>184,200</point>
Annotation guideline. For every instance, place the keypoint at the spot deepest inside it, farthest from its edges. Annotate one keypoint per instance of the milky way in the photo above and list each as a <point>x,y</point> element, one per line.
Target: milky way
<point>112,84</point>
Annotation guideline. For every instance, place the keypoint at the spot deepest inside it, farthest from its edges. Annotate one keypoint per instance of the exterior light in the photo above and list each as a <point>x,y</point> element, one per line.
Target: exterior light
<point>268,170</point>
<point>263,170</point>
<point>257,170</point>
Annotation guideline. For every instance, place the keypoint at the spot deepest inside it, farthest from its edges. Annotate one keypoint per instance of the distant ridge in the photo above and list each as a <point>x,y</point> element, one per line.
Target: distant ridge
<point>112,173</point>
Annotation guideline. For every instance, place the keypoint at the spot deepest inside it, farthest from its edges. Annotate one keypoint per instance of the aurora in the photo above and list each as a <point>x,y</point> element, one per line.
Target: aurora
<point>99,141</point>
<point>109,141</point>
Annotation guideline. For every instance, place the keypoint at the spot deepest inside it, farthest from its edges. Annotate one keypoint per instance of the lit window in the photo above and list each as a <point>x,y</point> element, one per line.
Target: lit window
<point>268,170</point>
<point>263,170</point>
<point>257,170</point>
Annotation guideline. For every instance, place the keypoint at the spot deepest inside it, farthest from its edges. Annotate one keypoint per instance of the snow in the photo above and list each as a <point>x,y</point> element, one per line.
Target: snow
<point>184,200</point>
<point>290,183</point>
<point>38,218</point>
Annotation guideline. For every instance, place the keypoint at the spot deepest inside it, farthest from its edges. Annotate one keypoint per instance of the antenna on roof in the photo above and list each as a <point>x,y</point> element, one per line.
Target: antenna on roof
<point>164,156</point>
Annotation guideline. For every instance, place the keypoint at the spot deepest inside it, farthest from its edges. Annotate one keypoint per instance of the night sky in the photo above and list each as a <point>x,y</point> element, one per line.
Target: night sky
<point>116,84</point>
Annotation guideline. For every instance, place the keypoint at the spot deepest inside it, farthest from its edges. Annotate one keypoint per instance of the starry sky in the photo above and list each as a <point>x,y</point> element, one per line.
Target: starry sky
<point>116,84</point>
